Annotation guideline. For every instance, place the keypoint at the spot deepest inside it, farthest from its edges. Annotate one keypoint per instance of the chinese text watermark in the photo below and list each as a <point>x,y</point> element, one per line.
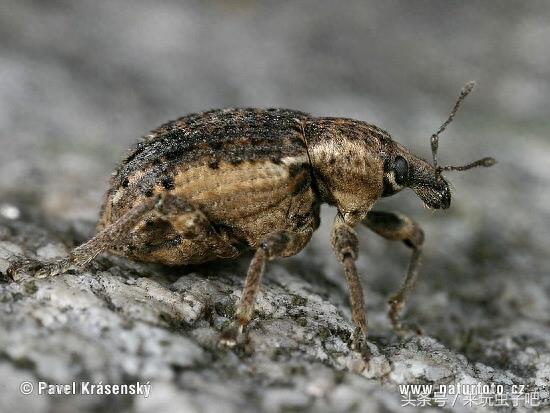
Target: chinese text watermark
<point>468,395</point>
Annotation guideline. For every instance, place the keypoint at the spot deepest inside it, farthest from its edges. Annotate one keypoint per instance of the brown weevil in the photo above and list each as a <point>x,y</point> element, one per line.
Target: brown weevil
<point>215,184</point>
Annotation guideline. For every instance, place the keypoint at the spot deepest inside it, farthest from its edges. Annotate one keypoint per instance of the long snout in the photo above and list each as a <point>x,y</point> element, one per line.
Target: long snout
<point>436,196</point>
<point>432,189</point>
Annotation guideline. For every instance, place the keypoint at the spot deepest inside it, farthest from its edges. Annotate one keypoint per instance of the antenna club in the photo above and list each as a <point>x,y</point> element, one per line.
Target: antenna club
<point>487,162</point>
<point>468,87</point>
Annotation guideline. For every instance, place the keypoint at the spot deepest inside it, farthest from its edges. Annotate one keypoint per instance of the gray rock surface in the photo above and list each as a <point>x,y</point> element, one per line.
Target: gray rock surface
<point>80,81</point>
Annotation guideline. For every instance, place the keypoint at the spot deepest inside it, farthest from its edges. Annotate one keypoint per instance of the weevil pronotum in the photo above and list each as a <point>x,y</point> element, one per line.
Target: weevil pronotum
<point>215,184</point>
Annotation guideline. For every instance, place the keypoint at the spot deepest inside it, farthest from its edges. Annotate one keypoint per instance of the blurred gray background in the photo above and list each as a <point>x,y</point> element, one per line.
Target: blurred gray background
<point>81,81</point>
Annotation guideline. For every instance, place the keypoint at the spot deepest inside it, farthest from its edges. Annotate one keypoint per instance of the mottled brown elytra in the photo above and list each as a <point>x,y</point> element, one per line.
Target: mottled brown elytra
<point>215,184</point>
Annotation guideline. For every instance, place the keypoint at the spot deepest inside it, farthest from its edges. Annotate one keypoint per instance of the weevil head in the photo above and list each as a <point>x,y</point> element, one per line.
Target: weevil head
<point>356,163</point>
<point>405,170</point>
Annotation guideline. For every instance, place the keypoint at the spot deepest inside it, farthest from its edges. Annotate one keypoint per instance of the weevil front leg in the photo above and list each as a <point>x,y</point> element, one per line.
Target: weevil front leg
<point>398,227</point>
<point>276,244</point>
<point>345,245</point>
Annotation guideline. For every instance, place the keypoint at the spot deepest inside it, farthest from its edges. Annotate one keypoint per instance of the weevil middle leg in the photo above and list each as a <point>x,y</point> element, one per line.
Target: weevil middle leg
<point>398,227</point>
<point>276,244</point>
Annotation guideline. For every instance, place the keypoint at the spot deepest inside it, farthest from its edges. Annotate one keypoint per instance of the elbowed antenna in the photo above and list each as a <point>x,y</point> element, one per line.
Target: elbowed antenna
<point>434,140</point>
<point>486,162</point>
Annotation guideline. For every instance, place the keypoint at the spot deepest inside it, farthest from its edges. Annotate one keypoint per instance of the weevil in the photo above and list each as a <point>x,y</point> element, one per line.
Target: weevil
<point>215,184</point>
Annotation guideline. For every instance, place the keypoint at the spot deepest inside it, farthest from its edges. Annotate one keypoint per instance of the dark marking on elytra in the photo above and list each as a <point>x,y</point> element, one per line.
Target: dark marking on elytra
<point>216,146</point>
<point>232,135</point>
<point>167,182</point>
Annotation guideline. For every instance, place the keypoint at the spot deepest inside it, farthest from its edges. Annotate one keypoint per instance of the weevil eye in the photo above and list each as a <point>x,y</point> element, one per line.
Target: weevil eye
<point>401,170</point>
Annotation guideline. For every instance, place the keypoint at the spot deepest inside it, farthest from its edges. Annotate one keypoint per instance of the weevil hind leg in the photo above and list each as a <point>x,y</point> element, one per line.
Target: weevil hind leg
<point>185,220</point>
<point>276,244</point>
<point>398,227</point>
<point>106,239</point>
<point>345,245</point>
<point>40,269</point>
<point>177,232</point>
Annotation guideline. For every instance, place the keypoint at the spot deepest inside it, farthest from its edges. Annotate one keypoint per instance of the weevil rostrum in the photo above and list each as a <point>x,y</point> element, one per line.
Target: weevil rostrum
<point>213,185</point>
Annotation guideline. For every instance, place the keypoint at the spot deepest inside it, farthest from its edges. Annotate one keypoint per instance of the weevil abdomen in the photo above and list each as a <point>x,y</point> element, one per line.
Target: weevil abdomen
<point>246,170</point>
